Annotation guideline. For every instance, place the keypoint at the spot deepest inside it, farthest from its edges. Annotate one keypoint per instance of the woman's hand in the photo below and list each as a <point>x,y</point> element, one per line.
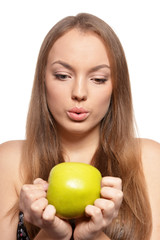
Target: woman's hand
<point>34,205</point>
<point>100,215</point>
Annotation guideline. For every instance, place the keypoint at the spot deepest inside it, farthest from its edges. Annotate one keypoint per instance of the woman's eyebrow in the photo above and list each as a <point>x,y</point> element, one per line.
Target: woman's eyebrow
<point>64,64</point>
<point>99,67</point>
<point>93,69</point>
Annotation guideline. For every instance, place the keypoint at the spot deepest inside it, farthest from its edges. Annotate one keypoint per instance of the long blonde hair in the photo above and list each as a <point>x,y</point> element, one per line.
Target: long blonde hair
<point>118,153</point>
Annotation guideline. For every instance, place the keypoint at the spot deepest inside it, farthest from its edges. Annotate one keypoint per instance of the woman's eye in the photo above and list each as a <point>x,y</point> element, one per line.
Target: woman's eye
<point>99,80</point>
<point>61,76</point>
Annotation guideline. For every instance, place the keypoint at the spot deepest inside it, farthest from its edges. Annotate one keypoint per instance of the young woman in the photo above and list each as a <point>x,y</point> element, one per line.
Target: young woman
<point>81,111</point>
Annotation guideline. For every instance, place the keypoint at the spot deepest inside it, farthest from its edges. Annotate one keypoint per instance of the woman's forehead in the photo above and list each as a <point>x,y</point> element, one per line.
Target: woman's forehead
<point>76,45</point>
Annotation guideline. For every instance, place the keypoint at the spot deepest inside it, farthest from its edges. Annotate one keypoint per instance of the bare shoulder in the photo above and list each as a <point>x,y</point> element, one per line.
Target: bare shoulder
<point>10,158</point>
<point>151,161</point>
<point>151,165</point>
<point>11,147</point>
<point>150,146</point>
<point>150,154</point>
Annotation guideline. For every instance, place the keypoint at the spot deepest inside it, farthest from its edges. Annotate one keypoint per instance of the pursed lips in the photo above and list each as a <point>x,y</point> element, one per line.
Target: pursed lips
<point>78,114</point>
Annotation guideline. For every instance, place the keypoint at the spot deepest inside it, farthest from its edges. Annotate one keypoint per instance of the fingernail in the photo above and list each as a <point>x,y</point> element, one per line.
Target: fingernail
<point>45,185</point>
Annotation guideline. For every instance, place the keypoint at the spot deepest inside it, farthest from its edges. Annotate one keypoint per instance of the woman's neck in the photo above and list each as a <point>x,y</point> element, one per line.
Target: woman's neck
<point>80,147</point>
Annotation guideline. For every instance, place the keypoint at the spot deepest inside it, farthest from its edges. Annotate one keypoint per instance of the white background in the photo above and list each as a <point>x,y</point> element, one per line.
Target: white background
<point>24,24</point>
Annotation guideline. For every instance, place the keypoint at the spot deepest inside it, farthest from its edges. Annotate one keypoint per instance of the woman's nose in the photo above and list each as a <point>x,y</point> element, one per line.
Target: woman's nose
<point>79,90</point>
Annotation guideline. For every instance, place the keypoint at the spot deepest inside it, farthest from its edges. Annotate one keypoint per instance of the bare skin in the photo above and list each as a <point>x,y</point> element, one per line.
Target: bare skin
<point>82,69</point>
<point>83,79</point>
<point>9,154</point>
<point>10,180</point>
<point>151,166</point>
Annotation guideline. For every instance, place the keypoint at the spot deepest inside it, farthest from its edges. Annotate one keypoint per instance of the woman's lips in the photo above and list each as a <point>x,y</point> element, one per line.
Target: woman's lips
<point>78,114</point>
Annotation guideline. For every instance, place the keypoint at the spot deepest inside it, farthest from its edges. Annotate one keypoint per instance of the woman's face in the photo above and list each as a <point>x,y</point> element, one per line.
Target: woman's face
<point>78,82</point>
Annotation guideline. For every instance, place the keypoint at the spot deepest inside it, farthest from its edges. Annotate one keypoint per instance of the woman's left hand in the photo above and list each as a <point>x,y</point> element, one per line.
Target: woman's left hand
<point>101,214</point>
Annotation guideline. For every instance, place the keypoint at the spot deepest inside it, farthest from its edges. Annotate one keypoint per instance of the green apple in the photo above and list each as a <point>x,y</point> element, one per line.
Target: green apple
<point>73,186</point>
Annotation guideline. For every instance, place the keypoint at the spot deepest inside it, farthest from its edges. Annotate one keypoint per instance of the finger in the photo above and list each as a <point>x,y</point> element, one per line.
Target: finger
<point>38,206</point>
<point>38,181</point>
<point>112,193</point>
<point>28,187</point>
<point>112,182</point>
<point>107,207</point>
<point>32,195</point>
<point>48,214</point>
<point>114,197</point>
<point>95,214</point>
<point>36,210</point>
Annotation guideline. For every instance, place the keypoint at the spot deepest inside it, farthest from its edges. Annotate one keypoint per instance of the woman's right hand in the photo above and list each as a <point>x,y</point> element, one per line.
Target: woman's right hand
<point>34,205</point>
